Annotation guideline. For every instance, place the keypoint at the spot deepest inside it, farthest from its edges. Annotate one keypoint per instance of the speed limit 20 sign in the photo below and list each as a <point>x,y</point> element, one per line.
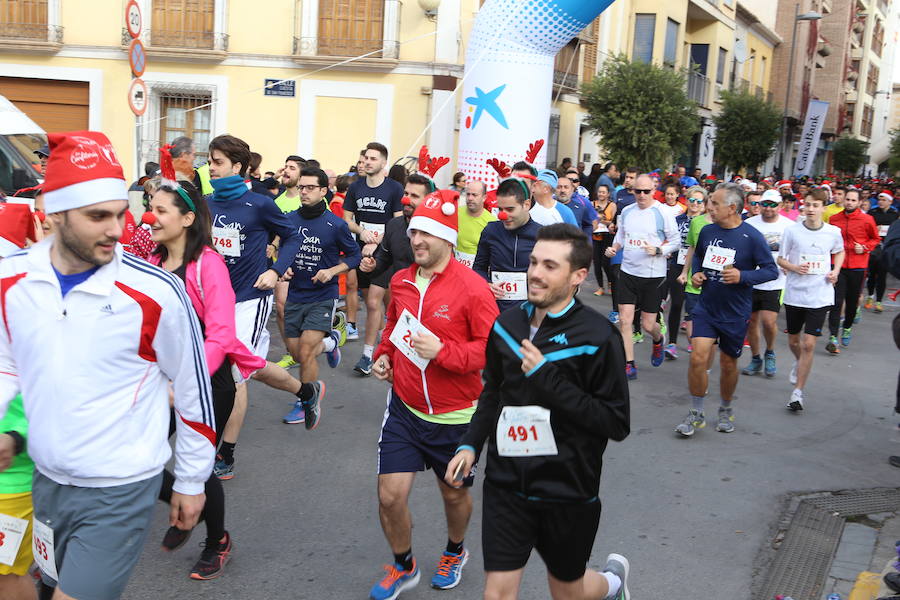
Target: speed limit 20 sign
<point>134,22</point>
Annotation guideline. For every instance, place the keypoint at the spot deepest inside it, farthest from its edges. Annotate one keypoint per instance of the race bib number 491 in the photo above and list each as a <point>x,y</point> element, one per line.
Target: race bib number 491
<point>525,431</point>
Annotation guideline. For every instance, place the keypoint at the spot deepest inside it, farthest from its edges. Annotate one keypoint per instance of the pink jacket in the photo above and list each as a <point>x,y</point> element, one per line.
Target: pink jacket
<point>215,308</point>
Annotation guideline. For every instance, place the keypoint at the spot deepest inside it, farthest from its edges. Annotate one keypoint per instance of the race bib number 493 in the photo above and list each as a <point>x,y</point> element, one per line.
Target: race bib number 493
<point>42,547</point>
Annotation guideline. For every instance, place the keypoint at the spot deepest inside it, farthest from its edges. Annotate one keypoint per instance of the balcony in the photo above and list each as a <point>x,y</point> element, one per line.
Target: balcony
<point>192,46</point>
<point>698,88</point>
<point>565,80</point>
<point>30,37</point>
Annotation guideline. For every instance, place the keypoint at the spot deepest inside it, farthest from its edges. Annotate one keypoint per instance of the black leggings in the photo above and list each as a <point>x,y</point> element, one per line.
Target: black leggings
<point>675,291</point>
<point>846,294</point>
<point>614,284</point>
<point>877,278</point>
<point>601,262</point>
<point>214,510</point>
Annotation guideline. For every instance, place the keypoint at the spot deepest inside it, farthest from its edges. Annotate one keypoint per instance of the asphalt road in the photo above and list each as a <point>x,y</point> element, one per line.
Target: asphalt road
<point>693,516</point>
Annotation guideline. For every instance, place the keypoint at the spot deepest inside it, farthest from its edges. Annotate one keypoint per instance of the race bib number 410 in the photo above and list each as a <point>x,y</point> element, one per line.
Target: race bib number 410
<point>525,431</point>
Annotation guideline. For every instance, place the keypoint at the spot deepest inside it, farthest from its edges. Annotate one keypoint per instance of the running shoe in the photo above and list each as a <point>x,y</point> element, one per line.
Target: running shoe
<point>663,330</point>
<point>352,332</point>
<point>754,368</point>
<point>223,470</point>
<point>879,307</point>
<point>796,402</point>
<point>694,420</point>
<point>792,378</point>
<point>212,559</point>
<point>671,352</point>
<point>746,343</point>
<point>769,362</point>
<point>869,302</point>
<point>846,334</point>
<point>364,366</point>
<point>831,346</point>
<point>726,420</point>
<point>175,538</point>
<point>296,416</point>
<point>340,323</point>
<point>287,361</point>
<point>656,357</point>
<point>637,338</point>
<point>334,356</point>
<point>599,292</point>
<point>395,580</point>
<point>613,317</point>
<point>689,349</point>
<point>618,566</point>
<point>449,570</point>
<point>630,371</point>
<point>312,408</point>
<point>857,316</point>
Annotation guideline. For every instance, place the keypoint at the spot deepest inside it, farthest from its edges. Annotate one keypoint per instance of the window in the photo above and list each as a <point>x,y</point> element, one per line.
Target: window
<point>644,26</point>
<point>183,24</point>
<point>720,67</point>
<point>853,76</point>
<point>872,80</point>
<point>763,65</point>
<point>671,49</point>
<point>565,68</point>
<point>850,114</point>
<point>553,142</point>
<point>877,38</point>
<point>867,118</point>
<point>184,113</point>
<point>23,19</point>
<point>350,27</point>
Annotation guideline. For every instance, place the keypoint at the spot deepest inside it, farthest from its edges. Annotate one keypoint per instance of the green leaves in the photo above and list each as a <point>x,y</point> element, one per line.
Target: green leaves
<point>849,154</point>
<point>894,156</point>
<point>641,111</point>
<point>746,130</point>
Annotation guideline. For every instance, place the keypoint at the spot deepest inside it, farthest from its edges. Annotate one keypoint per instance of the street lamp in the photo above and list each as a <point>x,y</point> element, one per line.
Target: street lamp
<point>807,16</point>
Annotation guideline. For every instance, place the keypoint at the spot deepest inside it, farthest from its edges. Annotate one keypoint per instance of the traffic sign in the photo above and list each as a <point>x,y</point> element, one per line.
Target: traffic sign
<point>138,97</point>
<point>133,19</point>
<point>137,57</point>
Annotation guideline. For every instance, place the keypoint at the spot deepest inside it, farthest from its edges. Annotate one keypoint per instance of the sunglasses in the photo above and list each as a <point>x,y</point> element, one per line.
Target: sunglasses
<point>768,204</point>
<point>637,191</point>
<point>695,200</point>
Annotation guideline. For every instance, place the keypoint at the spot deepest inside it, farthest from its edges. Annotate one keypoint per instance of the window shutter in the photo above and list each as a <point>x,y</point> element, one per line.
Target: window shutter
<point>644,26</point>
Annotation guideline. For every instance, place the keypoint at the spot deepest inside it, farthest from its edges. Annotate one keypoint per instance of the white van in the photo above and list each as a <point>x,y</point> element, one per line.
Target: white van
<point>19,138</point>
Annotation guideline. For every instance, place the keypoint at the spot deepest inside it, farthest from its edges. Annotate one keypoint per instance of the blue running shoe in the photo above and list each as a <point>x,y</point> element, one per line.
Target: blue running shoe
<point>846,334</point>
<point>364,366</point>
<point>352,332</point>
<point>296,416</point>
<point>769,360</point>
<point>613,317</point>
<point>630,371</point>
<point>656,358</point>
<point>334,357</point>
<point>395,580</point>
<point>754,368</point>
<point>223,470</point>
<point>312,408</point>
<point>449,571</point>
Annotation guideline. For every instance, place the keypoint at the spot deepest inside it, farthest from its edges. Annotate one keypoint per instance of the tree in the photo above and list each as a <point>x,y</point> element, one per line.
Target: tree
<point>641,111</point>
<point>894,153</point>
<point>849,154</point>
<point>746,130</point>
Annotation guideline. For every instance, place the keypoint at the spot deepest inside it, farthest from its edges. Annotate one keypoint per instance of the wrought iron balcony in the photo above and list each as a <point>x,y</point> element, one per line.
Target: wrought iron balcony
<point>31,32</point>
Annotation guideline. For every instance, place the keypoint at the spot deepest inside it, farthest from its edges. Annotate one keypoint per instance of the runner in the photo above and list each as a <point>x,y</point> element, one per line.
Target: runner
<point>546,210</point>
<point>884,215</point>
<point>555,369</point>
<point>505,245</point>
<point>243,223</point>
<point>99,463</point>
<point>647,236</point>
<point>767,296</point>
<point>432,351</point>
<point>313,292</point>
<point>472,222</point>
<point>837,205</point>
<point>753,204</point>
<point>807,253</point>
<point>860,238</point>
<point>370,203</point>
<point>603,238</point>
<point>583,211</point>
<point>673,288</point>
<point>288,201</point>
<point>730,257</point>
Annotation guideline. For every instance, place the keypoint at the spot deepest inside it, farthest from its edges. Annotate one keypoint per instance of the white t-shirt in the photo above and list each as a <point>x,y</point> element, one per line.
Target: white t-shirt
<point>545,216</point>
<point>773,233</point>
<point>809,291</point>
<point>649,226</point>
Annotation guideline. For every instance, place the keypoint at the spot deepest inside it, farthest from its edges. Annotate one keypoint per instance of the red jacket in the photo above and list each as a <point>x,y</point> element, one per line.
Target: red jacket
<point>459,308</point>
<point>856,228</point>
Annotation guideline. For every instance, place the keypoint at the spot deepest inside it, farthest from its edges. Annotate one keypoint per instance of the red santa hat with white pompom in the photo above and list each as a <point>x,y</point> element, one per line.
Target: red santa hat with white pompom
<point>437,215</point>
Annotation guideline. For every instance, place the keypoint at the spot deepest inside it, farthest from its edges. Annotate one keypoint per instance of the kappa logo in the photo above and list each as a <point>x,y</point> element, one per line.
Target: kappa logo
<point>560,338</point>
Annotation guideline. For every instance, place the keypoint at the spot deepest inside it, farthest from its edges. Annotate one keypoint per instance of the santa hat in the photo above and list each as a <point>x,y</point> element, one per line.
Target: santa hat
<point>16,225</point>
<point>784,183</point>
<point>437,215</point>
<point>886,194</point>
<point>82,170</point>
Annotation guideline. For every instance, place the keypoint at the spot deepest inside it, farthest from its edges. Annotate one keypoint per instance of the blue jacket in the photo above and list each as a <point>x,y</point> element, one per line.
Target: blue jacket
<point>503,250</point>
<point>584,214</point>
<point>321,242</point>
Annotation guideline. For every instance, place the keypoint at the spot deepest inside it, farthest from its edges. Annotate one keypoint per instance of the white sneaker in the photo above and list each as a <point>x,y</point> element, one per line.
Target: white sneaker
<point>793,376</point>
<point>796,403</point>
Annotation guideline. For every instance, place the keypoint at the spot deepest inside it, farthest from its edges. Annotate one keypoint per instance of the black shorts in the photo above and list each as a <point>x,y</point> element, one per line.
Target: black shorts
<point>364,280</point>
<point>563,533</point>
<point>645,292</point>
<point>810,320</point>
<point>767,300</point>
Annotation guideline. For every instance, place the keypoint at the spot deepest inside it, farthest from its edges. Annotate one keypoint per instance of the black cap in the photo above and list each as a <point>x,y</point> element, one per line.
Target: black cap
<point>43,150</point>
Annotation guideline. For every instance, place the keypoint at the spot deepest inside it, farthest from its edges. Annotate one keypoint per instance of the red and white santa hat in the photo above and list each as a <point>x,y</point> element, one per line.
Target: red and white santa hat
<point>82,170</point>
<point>437,215</point>
<point>784,183</point>
<point>886,194</point>
<point>16,225</point>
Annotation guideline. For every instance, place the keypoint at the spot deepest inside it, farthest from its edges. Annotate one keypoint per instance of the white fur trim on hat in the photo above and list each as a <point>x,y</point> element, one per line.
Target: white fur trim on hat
<point>85,193</point>
<point>433,227</point>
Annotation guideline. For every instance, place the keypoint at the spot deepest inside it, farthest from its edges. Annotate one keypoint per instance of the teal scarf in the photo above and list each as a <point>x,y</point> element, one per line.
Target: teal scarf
<point>228,188</point>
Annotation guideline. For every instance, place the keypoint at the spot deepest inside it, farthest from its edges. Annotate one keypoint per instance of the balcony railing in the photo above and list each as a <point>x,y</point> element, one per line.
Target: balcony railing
<point>339,47</point>
<point>698,88</point>
<point>565,80</point>
<point>32,32</point>
<point>190,40</point>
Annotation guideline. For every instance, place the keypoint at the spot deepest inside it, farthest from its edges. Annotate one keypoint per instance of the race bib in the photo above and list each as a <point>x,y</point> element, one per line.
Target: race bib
<point>405,330</point>
<point>227,241</point>
<point>883,229</point>
<point>512,284</point>
<point>638,240</point>
<point>465,259</point>
<point>819,264</point>
<point>682,256</point>
<point>42,548</point>
<point>716,258</point>
<point>12,530</point>
<point>374,228</point>
<point>525,431</point>
<point>601,228</point>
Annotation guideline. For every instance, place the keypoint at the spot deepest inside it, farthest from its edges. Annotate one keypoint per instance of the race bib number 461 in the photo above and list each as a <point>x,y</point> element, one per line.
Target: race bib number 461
<point>512,284</point>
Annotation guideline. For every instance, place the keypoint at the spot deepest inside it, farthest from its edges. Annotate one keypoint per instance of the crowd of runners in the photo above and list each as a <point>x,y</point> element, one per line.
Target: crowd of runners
<point>472,318</point>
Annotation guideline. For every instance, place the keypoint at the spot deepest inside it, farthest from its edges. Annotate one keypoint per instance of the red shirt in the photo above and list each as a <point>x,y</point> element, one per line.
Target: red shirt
<point>856,228</point>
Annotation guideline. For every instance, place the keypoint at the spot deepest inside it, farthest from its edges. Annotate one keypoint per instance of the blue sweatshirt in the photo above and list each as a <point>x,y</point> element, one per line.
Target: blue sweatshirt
<point>321,241</point>
<point>584,214</point>
<point>505,251</point>
<point>733,302</point>
<point>234,207</point>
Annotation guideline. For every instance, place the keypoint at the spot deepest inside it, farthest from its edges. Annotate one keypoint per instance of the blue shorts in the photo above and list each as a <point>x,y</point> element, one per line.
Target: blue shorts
<point>409,444</point>
<point>730,334</point>
<point>690,301</point>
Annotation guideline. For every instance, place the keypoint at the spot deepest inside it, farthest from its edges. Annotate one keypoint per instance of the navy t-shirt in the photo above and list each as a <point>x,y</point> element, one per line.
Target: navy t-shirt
<point>322,240</point>
<point>67,282</point>
<point>374,205</point>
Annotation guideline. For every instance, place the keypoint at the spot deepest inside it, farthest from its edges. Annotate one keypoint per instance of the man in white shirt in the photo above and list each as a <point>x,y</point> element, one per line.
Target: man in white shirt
<point>546,210</point>
<point>807,252</point>
<point>648,235</point>
<point>767,296</point>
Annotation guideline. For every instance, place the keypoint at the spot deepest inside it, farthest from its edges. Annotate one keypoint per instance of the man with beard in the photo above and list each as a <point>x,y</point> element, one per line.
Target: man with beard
<point>288,201</point>
<point>555,393</point>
